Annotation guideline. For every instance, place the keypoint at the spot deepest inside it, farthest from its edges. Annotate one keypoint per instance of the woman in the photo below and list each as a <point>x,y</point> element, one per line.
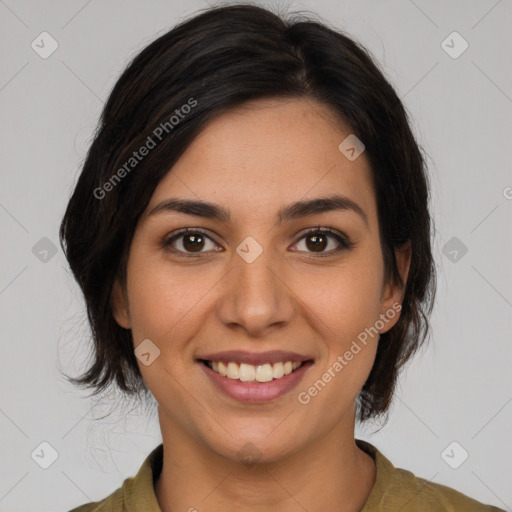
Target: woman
<point>251,233</point>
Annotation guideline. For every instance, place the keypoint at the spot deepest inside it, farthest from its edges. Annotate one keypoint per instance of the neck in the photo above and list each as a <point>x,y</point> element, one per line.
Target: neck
<point>331,474</point>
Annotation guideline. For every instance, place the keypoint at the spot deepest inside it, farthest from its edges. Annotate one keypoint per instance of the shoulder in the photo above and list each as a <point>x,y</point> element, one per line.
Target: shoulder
<point>115,502</point>
<point>398,489</point>
<point>417,494</point>
<point>112,503</point>
<point>136,493</point>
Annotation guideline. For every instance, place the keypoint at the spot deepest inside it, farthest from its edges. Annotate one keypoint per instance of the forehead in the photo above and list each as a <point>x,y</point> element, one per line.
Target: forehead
<point>266,153</point>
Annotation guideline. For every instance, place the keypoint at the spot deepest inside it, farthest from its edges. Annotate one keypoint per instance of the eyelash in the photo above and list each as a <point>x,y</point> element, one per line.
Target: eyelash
<point>344,242</point>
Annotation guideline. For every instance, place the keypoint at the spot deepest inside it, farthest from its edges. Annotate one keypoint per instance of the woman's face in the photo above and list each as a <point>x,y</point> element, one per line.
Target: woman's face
<point>257,285</point>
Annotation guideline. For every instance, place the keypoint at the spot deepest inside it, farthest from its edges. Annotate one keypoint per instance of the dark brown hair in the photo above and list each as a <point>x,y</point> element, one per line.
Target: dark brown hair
<point>216,61</point>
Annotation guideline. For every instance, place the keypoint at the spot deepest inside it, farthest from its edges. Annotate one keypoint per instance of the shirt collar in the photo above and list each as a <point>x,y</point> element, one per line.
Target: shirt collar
<point>139,492</point>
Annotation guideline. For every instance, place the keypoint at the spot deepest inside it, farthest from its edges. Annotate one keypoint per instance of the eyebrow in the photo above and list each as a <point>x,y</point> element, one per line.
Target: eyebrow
<point>292,211</point>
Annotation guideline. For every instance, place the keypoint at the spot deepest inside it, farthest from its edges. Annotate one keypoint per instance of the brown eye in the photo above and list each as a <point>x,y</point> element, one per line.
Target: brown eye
<point>324,242</point>
<point>316,243</point>
<point>188,242</point>
<point>193,242</point>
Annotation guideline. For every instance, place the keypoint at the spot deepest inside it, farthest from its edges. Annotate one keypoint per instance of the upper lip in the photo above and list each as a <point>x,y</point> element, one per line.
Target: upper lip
<point>253,358</point>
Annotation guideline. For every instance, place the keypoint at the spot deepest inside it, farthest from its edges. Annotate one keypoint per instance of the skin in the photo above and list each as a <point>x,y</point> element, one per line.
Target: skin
<point>253,160</point>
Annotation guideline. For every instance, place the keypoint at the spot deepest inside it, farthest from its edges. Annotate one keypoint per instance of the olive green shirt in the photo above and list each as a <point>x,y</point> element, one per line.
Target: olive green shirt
<point>395,489</point>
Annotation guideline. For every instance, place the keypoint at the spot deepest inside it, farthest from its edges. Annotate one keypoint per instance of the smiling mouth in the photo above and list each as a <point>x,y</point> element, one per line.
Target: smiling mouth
<point>244,372</point>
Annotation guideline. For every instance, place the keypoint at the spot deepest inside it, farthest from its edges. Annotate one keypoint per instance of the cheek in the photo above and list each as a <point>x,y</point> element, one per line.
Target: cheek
<point>161,298</point>
<point>347,305</point>
<point>348,309</point>
<point>162,310</point>
<point>348,297</point>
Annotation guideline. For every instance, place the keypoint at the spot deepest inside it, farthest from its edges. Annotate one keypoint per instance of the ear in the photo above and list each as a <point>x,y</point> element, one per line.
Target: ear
<point>393,292</point>
<point>119,305</point>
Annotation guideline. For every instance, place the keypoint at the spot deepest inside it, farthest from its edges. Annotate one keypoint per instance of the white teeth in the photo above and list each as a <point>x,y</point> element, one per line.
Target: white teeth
<point>233,372</point>
<point>264,373</point>
<point>278,371</point>
<point>247,372</point>
<point>222,369</point>
<point>250,373</point>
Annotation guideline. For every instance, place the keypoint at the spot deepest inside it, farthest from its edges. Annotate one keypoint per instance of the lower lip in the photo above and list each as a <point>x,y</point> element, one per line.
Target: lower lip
<point>256,392</point>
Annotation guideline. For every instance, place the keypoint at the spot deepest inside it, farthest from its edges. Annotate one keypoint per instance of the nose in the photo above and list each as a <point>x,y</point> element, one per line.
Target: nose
<point>256,297</point>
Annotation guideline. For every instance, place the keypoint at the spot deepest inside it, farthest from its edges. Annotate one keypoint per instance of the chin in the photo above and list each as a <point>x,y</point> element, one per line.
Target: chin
<point>256,447</point>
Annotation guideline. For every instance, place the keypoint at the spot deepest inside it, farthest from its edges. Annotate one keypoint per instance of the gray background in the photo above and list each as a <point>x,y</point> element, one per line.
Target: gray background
<point>458,389</point>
